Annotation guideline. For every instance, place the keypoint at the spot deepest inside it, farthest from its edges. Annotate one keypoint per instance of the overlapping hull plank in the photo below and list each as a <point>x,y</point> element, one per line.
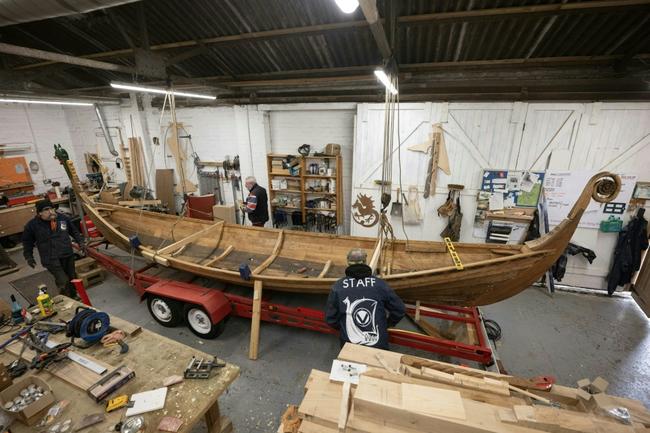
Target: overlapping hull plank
<point>293,261</point>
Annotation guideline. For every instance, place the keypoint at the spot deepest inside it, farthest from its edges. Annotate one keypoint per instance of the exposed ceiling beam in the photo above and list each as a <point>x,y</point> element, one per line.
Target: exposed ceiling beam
<point>533,10</point>
<point>467,95</point>
<point>185,55</point>
<point>439,17</point>
<point>62,58</point>
<point>369,8</point>
<point>23,11</point>
<point>350,73</point>
<point>441,80</point>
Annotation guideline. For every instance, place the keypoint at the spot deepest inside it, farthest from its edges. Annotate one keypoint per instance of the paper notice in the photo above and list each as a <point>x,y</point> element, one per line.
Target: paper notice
<point>496,201</point>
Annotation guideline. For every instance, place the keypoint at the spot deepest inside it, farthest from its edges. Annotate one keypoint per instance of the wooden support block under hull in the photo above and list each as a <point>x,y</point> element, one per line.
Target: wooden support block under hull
<point>255,320</point>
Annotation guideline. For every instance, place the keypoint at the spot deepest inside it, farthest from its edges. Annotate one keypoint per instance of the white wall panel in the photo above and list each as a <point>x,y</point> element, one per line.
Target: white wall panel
<point>40,127</point>
<point>612,136</point>
<point>86,136</point>
<point>316,126</point>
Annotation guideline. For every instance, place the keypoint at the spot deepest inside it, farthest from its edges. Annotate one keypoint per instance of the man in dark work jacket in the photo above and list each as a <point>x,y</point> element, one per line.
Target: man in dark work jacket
<point>256,205</point>
<point>361,306</point>
<point>50,232</point>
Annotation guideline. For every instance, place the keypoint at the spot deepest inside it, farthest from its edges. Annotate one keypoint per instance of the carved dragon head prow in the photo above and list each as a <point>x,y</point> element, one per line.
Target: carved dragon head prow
<point>602,187</point>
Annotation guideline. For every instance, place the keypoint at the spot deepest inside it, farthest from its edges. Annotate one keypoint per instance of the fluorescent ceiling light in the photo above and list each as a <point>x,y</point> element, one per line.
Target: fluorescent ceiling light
<point>381,76</point>
<point>160,91</point>
<point>44,101</point>
<point>348,6</point>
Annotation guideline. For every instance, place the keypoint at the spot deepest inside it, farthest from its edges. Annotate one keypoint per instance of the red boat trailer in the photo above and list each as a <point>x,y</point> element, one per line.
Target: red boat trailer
<point>219,304</point>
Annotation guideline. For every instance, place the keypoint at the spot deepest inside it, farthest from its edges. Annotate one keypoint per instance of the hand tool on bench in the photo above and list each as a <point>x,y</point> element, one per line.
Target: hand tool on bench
<point>200,368</point>
<point>110,383</point>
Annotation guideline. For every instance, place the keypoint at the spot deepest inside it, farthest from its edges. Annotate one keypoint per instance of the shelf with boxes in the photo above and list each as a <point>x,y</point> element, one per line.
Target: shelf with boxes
<point>309,186</point>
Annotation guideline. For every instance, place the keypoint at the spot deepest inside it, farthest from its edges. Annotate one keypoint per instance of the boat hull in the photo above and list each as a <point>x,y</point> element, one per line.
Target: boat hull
<point>301,262</point>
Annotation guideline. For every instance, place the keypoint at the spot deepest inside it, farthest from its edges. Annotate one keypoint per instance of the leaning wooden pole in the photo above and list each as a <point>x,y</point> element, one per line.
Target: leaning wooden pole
<point>255,320</point>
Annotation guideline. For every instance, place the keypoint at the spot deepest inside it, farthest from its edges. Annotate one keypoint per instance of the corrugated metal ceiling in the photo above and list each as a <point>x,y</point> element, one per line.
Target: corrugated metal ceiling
<point>618,32</point>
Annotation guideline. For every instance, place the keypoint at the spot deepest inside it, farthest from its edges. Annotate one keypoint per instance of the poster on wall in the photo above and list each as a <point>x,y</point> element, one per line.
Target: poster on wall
<point>516,187</point>
<point>562,188</point>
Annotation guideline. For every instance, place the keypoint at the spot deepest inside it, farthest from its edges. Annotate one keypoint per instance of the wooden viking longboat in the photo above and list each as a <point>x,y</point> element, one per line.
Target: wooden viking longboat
<point>294,261</point>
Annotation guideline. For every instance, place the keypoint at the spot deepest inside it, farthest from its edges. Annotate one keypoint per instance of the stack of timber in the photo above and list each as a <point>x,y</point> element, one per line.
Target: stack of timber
<point>406,394</point>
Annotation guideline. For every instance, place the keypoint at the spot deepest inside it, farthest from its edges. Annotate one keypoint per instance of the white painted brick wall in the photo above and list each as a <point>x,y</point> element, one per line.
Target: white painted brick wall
<point>291,129</point>
<point>86,136</point>
<point>40,127</point>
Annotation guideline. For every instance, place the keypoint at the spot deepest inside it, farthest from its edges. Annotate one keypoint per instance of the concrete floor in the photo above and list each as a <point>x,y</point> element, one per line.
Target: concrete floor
<point>570,336</point>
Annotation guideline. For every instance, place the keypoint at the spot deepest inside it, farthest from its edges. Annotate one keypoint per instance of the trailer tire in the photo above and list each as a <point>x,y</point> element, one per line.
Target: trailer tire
<point>200,323</point>
<point>167,312</point>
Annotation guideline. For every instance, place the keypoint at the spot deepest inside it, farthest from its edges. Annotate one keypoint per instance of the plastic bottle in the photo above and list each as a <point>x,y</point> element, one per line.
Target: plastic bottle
<point>16,311</point>
<point>44,301</point>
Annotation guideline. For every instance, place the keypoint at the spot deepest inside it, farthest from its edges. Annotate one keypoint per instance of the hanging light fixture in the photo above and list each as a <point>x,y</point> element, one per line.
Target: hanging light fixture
<point>45,101</point>
<point>381,76</point>
<point>347,6</point>
<point>159,91</point>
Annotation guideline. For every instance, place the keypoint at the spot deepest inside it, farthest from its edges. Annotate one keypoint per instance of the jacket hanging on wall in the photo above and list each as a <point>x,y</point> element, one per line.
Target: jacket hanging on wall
<point>632,240</point>
<point>559,268</point>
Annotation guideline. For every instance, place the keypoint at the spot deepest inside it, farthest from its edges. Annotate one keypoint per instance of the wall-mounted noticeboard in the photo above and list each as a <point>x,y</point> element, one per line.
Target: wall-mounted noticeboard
<point>519,188</point>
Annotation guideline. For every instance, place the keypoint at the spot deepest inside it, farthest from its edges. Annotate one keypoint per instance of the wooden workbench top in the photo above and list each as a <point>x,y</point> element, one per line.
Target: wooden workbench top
<point>153,358</point>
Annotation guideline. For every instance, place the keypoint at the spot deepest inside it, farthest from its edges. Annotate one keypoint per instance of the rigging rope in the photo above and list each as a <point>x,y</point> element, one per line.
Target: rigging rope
<point>385,228</point>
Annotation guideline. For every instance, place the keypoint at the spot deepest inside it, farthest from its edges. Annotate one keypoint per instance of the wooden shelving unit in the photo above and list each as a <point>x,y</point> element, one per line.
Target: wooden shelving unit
<point>307,181</point>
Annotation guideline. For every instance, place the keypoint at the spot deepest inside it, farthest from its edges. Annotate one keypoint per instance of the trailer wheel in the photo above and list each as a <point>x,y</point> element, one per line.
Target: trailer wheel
<point>200,323</point>
<point>167,312</point>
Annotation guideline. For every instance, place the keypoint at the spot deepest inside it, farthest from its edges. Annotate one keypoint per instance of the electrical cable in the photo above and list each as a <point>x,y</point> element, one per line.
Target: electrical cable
<point>493,329</point>
<point>89,325</point>
<point>6,323</point>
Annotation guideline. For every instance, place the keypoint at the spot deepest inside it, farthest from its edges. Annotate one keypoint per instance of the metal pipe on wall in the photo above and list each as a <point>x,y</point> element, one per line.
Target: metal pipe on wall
<point>107,135</point>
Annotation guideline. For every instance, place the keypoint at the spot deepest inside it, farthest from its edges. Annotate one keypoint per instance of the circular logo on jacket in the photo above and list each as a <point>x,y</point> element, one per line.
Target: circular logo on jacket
<point>362,316</point>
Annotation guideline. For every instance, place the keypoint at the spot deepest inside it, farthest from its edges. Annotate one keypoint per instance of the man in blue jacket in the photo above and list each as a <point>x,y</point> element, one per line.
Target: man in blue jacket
<point>51,232</point>
<point>362,306</point>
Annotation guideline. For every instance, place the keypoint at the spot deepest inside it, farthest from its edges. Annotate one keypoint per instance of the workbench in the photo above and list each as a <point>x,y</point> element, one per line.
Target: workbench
<point>14,218</point>
<point>153,358</point>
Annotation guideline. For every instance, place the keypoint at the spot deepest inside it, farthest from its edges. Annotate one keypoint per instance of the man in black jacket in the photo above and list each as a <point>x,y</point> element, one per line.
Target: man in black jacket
<point>256,205</point>
<point>361,306</point>
<point>50,232</point>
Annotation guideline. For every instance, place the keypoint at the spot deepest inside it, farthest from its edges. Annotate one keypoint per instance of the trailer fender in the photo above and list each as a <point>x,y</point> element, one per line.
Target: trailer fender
<point>213,301</point>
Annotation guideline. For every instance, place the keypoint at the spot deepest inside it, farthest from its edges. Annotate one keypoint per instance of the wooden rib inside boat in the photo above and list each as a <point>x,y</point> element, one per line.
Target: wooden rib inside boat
<point>294,261</point>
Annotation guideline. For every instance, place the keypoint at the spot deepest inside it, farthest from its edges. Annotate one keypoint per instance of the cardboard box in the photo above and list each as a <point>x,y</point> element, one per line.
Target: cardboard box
<point>225,212</point>
<point>332,149</point>
<point>30,415</point>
